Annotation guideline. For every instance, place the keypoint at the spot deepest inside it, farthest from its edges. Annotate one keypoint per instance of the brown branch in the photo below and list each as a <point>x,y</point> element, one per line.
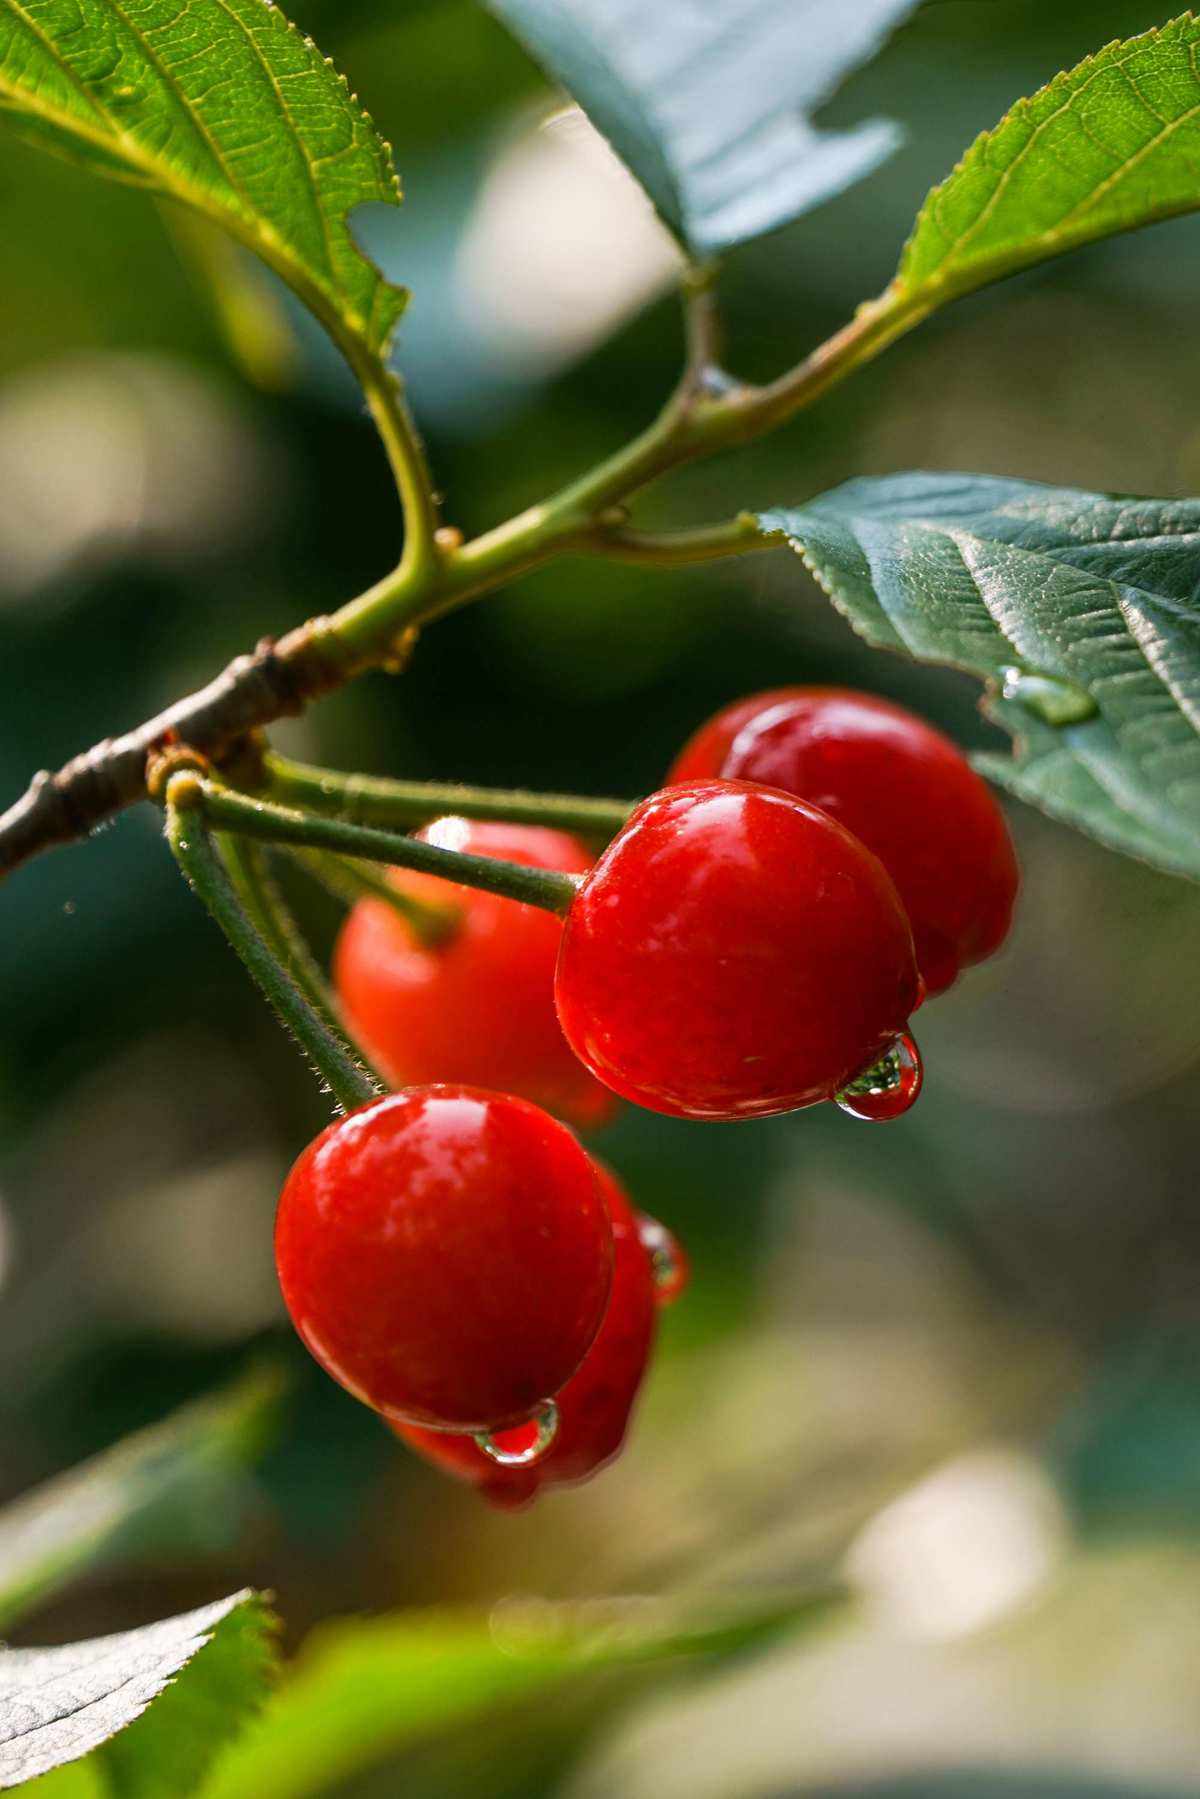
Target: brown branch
<point>276,680</point>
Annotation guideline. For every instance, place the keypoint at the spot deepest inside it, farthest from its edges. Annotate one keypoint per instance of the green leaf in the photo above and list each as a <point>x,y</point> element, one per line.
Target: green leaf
<point>1111,145</point>
<point>57,1705</point>
<point>707,105</point>
<point>363,1690</point>
<point>223,105</point>
<point>1081,611</point>
<point>109,1507</point>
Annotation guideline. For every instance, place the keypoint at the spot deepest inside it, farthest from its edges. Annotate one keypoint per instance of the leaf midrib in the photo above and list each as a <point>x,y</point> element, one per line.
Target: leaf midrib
<point>952,277</point>
<point>194,117</point>
<point>1006,174</point>
<point>285,109</point>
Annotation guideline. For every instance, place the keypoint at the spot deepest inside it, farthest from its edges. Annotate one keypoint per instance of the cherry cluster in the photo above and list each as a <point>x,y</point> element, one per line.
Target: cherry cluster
<point>753,940</point>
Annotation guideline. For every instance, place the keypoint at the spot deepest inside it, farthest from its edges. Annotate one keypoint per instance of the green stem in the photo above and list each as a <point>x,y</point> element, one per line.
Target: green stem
<point>367,625</point>
<point>372,800</point>
<point>703,323</point>
<point>752,412</point>
<point>694,423</point>
<point>351,881</point>
<point>406,458</point>
<point>260,895</point>
<point>230,811</point>
<point>195,851</point>
<point>678,549</point>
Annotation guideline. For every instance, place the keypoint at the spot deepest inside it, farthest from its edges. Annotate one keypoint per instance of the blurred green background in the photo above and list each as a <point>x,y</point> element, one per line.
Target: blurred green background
<point>957,1358</point>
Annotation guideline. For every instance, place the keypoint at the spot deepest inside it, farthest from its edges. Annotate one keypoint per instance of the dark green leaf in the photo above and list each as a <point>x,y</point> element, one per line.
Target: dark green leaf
<point>363,1690</point>
<point>223,105</point>
<point>1111,145</point>
<point>1081,611</point>
<point>708,105</point>
<point>59,1704</point>
<point>105,1508</point>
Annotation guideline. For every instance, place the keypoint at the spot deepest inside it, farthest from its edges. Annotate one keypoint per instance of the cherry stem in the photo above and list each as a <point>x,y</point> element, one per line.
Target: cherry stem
<point>351,881</point>
<point>370,799</point>
<point>195,850</point>
<point>262,898</point>
<point>252,817</point>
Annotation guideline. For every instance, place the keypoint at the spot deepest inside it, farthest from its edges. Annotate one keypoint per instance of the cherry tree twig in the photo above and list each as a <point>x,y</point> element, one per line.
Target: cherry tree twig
<point>708,413</point>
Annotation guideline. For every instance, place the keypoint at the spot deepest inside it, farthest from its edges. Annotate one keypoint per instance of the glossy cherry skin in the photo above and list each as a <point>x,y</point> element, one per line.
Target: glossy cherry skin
<point>899,785</point>
<point>595,1405</point>
<point>446,1254</point>
<point>734,953</point>
<point>479,1006</point>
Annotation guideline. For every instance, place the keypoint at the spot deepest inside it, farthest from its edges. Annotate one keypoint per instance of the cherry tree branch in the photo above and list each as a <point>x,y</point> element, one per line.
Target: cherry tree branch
<point>274,681</point>
<point>280,678</point>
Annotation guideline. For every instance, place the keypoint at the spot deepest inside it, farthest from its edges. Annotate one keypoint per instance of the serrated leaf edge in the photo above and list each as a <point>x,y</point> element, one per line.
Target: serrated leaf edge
<point>345,326</point>
<point>938,287</point>
<point>990,763</point>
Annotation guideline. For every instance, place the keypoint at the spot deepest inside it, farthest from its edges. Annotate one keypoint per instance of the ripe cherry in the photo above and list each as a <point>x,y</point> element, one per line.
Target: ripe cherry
<point>899,785</point>
<point>477,1006</point>
<point>595,1405</point>
<point>446,1254</point>
<point>734,953</point>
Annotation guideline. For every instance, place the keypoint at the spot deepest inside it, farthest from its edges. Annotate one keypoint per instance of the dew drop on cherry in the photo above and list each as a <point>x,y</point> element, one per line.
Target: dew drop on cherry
<point>521,1444</point>
<point>668,1260</point>
<point>888,1087</point>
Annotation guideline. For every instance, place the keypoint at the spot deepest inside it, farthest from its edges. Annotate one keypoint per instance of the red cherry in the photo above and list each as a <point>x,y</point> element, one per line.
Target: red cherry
<point>479,1006</point>
<point>901,786</point>
<point>594,1406</point>
<point>735,952</point>
<point>446,1255</point>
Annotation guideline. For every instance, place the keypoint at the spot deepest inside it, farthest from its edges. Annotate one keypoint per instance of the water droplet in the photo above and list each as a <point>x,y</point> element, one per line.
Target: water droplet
<point>521,1444</point>
<point>668,1260</point>
<point>888,1087</point>
<point>1054,701</point>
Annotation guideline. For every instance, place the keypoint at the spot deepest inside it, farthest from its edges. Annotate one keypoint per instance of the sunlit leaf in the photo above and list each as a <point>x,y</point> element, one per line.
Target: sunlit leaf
<point>57,1705</point>
<point>104,1509</point>
<point>709,106</point>
<point>1081,611</point>
<point>1111,145</point>
<point>223,105</point>
<point>363,1690</point>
